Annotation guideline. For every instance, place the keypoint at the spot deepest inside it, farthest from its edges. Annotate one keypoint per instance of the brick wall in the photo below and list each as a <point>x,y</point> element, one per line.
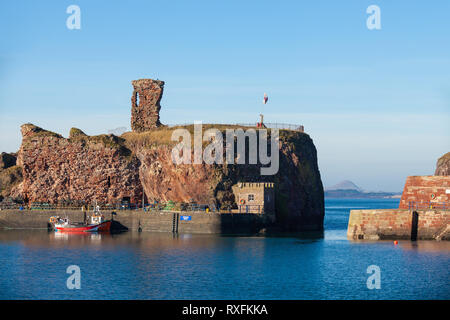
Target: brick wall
<point>424,189</point>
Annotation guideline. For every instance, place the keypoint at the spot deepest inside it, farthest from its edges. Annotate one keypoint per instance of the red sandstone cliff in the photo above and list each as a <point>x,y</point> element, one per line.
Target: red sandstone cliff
<point>10,174</point>
<point>164,181</point>
<point>80,168</point>
<point>299,191</point>
<point>443,165</point>
<point>107,168</point>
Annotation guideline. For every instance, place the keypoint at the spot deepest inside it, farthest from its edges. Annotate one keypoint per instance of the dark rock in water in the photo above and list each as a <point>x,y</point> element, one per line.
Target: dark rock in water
<point>443,165</point>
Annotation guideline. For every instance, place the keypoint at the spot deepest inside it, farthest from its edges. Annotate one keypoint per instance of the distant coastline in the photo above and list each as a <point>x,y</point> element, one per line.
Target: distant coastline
<point>348,189</point>
<point>361,195</point>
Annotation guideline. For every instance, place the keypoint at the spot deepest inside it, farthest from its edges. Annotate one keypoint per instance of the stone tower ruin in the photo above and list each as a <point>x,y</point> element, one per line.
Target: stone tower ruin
<point>145,105</point>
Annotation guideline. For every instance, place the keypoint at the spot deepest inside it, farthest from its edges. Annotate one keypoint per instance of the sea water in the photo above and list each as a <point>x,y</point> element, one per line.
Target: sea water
<point>35,264</point>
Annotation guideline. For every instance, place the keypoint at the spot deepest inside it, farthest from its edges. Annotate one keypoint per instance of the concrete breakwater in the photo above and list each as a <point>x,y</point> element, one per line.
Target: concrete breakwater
<point>157,221</point>
<point>427,224</point>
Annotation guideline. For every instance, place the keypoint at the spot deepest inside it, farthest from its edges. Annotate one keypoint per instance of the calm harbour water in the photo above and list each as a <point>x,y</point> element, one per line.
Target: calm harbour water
<point>159,266</point>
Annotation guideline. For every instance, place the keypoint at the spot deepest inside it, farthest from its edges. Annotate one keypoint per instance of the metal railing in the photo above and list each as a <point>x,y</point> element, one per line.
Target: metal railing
<point>148,207</point>
<point>9,206</point>
<point>48,206</point>
<point>169,206</point>
<point>415,205</point>
<point>276,125</point>
<point>270,125</point>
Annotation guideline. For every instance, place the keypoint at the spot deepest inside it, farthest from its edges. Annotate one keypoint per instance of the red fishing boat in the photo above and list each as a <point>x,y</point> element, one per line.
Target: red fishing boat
<point>95,223</point>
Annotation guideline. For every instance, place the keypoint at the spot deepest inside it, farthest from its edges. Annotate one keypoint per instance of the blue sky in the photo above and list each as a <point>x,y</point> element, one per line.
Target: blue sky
<point>375,102</point>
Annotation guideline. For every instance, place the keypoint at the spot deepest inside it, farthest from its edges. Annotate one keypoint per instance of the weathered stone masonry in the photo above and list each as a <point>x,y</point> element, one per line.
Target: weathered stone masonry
<point>145,104</point>
<point>425,190</point>
<point>423,213</point>
<point>398,224</point>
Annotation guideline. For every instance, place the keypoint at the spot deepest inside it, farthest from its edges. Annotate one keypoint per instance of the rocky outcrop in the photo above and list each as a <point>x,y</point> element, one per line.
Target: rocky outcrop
<point>163,180</point>
<point>107,168</point>
<point>145,104</point>
<point>10,174</point>
<point>81,168</point>
<point>443,165</point>
<point>7,160</point>
<point>299,191</point>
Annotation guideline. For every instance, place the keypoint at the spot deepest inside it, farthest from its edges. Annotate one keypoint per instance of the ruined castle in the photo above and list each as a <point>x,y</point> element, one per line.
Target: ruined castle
<point>145,104</point>
<point>110,169</point>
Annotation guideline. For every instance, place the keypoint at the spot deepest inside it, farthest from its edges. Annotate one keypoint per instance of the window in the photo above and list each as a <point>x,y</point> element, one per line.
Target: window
<point>251,197</point>
<point>137,99</point>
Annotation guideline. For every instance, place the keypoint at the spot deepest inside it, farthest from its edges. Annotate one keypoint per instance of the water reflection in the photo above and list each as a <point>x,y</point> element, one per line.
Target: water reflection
<point>150,241</point>
<point>165,266</point>
<point>426,245</point>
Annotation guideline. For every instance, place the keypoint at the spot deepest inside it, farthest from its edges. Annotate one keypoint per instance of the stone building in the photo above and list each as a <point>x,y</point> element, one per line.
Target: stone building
<point>145,104</point>
<point>255,197</point>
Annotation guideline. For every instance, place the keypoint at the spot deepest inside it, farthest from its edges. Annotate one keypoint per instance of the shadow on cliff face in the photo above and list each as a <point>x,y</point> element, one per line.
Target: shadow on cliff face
<point>299,195</point>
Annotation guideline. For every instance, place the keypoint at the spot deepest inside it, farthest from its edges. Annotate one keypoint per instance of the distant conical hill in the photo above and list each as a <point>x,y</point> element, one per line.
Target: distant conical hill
<point>347,189</point>
<point>345,185</point>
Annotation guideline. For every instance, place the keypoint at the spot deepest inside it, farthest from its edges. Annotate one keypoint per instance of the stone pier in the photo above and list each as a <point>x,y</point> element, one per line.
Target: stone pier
<point>385,224</point>
<point>152,221</point>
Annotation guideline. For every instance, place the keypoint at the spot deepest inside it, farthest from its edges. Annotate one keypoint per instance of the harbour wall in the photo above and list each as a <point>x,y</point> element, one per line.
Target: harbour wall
<point>384,224</point>
<point>425,190</point>
<point>156,221</point>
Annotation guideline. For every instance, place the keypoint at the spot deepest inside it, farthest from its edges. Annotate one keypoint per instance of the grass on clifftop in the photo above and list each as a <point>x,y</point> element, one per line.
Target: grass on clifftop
<point>156,137</point>
<point>163,135</point>
<point>445,157</point>
<point>107,140</point>
<point>75,132</point>
<point>39,132</point>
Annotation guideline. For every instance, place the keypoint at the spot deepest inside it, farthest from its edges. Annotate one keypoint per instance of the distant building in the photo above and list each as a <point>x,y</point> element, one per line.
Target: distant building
<point>255,197</point>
